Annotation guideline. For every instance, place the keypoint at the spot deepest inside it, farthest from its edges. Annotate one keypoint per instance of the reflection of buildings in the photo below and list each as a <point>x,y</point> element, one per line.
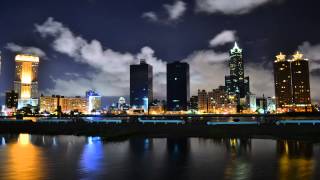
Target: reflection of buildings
<point>178,86</point>
<point>295,160</point>
<point>292,86</point>
<point>238,166</point>
<point>26,80</point>
<point>141,88</point>
<point>24,160</point>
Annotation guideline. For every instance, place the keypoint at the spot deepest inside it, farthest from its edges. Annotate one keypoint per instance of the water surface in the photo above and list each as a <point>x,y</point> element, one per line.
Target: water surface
<point>27,156</point>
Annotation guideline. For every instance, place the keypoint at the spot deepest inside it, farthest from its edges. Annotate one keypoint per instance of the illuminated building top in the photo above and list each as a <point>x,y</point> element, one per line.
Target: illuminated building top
<point>297,56</point>
<point>280,57</point>
<point>26,58</point>
<point>236,49</point>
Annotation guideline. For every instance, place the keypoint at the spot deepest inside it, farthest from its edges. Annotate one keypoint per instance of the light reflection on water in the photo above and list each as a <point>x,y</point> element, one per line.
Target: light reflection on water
<point>27,156</point>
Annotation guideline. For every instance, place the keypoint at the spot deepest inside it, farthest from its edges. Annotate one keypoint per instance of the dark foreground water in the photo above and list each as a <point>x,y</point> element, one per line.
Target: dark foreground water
<point>70,157</point>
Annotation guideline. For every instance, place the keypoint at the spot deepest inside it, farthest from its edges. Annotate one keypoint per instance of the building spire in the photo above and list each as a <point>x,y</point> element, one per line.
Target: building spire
<point>236,48</point>
<point>298,56</point>
<point>280,57</point>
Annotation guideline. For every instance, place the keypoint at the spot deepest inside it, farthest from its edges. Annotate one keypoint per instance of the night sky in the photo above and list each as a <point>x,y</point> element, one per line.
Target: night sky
<point>89,44</point>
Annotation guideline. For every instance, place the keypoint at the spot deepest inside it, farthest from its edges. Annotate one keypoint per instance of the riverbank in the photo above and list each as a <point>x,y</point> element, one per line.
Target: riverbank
<point>115,131</point>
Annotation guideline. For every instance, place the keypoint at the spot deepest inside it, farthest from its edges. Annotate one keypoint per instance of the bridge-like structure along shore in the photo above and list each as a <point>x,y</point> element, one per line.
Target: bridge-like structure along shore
<point>114,128</point>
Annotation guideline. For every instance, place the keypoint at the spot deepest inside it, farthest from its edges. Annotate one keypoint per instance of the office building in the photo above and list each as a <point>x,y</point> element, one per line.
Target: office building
<point>178,86</point>
<point>292,84</point>
<point>141,87</point>
<point>26,80</point>
<point>55,103</point>
<point>202,101</point>
<point>282,80</point>
<point>193,103</point>
<point>93,100</point>
<point>300,81</point>
<point>12,99</point>
<point>236,83</point>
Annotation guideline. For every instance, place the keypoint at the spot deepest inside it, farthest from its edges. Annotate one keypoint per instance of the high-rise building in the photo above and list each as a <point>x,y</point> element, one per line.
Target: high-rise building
<point>202,101</point>
<point>93,100</point>
<point>236,83</point>
<point>26,79</point>
<point>178,86</point>
<point>292,85</point>
<point>141,87</point>
<point>193,103</point>
<point>300,80</point>
<point>11,99</point>
<point>282,80</point>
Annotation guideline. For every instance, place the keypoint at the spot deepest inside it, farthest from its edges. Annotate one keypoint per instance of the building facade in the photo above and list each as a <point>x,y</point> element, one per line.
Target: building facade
<point>26,79</point>
<point>236,83</point>
<point>282,80</point>
<point>56,103</point>
<point>141,85</point>
<point>178,86</point>
<point>93,100</point>
<point>12,99</point>
<point>202,101</point>
<point>292,84</point>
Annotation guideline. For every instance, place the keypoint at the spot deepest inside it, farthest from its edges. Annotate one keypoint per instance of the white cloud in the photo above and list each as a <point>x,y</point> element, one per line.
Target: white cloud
<point>25,49</point>
<point>232,7</point>
<point>112,77</point>
<point>207,69</point>
<point>223,38</point>
<point>172,13</point>
<point>176,10</point>
<point>152,16</point>
<point>312,52</point>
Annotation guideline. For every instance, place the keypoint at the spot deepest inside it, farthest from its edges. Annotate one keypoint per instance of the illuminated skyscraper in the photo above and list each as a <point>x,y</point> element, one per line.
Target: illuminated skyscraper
<point>292,86</point>
<point>236,83</point>
<point>26,79</point>
<point>141,87</point>
<point>178,86</point>
<point>300,80</point>
<point>282,80</point>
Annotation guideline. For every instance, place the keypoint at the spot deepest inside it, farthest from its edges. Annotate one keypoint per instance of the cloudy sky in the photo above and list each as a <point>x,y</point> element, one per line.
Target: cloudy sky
<point>89,44</point>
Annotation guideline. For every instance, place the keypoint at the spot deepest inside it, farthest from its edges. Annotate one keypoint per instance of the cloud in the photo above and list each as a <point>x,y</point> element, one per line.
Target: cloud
<point>111,78</point>
<point>111,67</point>
<point>25,49</point>
<point>207,69</point>
<point>172,13</point>
<point>152,16</point>
<point>176,10</point>
<point>312,52</point>
<point>223,38</point>
<point>229,7</point>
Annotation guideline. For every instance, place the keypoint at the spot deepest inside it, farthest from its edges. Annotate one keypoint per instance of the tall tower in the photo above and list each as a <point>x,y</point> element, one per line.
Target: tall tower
<point>300,80</point>
<point>236,83</point>
<point>141,87</point>
<point>178,86</point>
<point>282,80</point>
<point>292,85</point>
<point>26,79</point>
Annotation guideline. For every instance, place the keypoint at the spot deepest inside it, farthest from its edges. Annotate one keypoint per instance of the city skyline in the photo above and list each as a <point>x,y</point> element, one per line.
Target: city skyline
<point>208,59</point>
